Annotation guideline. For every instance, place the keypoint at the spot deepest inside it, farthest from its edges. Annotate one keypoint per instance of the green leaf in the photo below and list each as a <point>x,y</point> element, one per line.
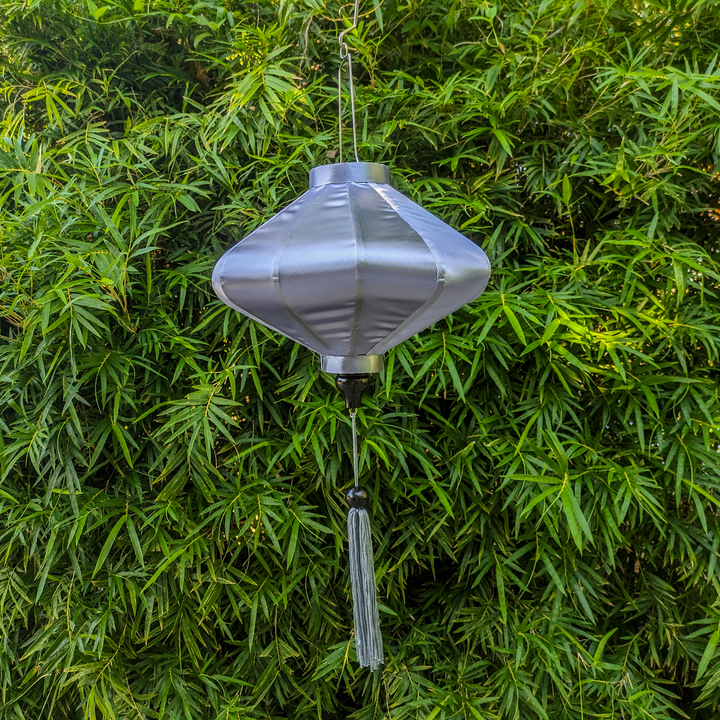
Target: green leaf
<point>109,543</point>
<point>444,498</point>
<point>502,600</point>
<point>512,318</point>
<point>566,190</point>
<point>707,655</point>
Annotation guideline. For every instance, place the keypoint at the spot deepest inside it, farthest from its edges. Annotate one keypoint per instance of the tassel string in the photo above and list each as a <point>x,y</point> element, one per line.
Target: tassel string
<point>356,470</point>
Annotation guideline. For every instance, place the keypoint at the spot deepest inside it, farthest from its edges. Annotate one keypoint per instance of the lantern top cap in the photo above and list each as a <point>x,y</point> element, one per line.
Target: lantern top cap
<point>355,172</point>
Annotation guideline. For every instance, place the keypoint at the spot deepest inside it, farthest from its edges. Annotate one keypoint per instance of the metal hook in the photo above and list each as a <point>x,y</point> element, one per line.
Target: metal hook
<point>345,55</point>
<point>347,30</point>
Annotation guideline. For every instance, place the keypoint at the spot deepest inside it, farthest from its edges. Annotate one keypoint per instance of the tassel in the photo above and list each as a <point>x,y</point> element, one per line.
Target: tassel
<point>368,639</point>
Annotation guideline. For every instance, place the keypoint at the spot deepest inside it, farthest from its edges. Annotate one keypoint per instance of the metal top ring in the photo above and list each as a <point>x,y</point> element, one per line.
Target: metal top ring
<point>355,172</point>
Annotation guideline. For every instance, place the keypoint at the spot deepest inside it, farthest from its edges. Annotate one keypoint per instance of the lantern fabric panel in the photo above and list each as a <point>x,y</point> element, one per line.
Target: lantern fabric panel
<point>243,277</point>
<point>463,268</point>
<point>316,269</point>
<point>399,272</point>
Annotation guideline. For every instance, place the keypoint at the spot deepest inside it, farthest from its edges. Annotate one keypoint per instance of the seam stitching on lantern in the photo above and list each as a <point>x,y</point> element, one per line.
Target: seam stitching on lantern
<point>359,273</point>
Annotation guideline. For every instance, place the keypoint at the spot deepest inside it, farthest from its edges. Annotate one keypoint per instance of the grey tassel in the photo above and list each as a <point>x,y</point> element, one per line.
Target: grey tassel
<point>368,639</point>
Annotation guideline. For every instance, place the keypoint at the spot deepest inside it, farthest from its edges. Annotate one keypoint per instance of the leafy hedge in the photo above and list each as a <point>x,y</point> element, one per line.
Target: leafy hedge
<point>543,465</point>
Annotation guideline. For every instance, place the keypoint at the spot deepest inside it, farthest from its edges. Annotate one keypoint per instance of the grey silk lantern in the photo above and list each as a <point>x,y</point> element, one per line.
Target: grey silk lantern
<point>350,270</point>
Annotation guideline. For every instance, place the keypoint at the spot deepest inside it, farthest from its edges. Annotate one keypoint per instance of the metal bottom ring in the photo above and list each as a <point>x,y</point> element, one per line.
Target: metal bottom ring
<point>352,365</point>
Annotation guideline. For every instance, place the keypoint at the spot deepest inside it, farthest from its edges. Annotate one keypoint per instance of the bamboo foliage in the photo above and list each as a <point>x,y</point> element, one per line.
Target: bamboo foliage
<point>543,464</point>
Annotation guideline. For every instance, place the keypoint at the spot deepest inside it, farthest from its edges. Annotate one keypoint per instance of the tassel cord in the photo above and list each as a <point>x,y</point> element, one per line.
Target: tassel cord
<point>356,471</point>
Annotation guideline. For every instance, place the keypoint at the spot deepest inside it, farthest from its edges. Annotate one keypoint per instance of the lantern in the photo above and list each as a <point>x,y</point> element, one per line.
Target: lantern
<point>350,270</point>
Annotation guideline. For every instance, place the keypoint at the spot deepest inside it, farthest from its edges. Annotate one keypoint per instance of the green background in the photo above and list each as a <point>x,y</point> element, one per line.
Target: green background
<point>543,465</point>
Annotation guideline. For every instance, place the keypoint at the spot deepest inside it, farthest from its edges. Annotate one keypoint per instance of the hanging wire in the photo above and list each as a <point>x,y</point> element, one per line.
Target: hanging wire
<point>345,55</point>
<point>353,415</point>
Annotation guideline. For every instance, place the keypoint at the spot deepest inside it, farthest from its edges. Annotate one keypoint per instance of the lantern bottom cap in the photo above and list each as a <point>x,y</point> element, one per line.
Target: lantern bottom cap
<point>352,364</point>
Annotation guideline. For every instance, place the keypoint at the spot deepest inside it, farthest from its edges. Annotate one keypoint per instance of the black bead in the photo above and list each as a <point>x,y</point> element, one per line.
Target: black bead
<point>357,497</point>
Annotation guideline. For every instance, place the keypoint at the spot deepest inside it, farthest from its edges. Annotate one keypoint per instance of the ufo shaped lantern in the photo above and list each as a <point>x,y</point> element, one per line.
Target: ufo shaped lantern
<point>351,269</point>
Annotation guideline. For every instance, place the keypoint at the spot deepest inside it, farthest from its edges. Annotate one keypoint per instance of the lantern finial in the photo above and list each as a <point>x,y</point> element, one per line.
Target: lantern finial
<point>353,388</point>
